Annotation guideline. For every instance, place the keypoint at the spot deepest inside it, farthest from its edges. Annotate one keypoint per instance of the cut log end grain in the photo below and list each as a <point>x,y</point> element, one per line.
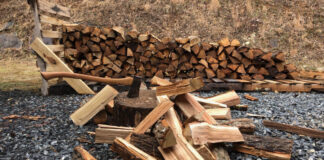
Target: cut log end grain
<point>279,57</point>
<point>136,108</point>
<point>235,43</point>
<point>224,42</point>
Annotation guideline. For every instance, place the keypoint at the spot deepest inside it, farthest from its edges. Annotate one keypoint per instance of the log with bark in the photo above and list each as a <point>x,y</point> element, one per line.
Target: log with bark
<point>131,111</point>
<point>147,143</point>
<point>128,151</point>
<point>295,129</point>
<point>267,147</point>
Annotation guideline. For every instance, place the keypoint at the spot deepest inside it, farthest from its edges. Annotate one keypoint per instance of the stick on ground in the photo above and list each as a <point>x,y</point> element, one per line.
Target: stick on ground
<point>295,129</point>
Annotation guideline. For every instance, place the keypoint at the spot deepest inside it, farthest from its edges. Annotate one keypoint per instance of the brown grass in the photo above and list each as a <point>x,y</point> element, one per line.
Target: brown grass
<point>294,27</point>
<point>20,74</point>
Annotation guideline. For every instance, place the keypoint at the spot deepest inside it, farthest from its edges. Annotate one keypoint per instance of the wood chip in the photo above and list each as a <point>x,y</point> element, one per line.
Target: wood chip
<point>251,98</point>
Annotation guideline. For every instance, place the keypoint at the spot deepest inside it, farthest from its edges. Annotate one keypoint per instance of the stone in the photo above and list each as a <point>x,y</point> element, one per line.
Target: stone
<point>9,40</point>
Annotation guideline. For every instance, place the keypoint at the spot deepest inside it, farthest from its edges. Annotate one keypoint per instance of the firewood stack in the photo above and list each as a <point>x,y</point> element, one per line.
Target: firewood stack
<point>110,52</point>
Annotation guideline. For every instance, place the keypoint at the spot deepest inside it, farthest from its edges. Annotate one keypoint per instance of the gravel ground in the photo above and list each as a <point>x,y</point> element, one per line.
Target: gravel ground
<point>302,109</point>
<point>55,136</point>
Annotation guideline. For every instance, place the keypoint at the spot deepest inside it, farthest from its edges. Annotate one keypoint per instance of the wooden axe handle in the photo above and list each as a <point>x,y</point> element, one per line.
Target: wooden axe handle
<point>118,81</point>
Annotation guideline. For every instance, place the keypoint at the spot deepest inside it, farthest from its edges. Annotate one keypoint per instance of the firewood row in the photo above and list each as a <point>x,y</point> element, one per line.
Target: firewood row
<point>115,53</point>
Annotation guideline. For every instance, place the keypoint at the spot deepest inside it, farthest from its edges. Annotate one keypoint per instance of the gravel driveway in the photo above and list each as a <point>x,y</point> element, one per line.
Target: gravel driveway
<point>55,136</point>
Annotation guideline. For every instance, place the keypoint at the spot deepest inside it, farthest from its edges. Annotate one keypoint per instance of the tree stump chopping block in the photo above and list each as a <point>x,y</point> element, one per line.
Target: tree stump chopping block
<point>131,111</point>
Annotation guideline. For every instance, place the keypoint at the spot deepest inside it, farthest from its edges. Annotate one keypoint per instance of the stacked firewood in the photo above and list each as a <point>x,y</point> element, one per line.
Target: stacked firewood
<point>112,52</point>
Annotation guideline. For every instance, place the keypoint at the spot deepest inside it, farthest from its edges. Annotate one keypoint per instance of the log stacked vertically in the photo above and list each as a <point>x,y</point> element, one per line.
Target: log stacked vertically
<point>110,52</point>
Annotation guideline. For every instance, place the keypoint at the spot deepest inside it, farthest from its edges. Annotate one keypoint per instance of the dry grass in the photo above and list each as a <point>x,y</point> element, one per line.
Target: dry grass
<point>22,74</point>
<point>294,27</point>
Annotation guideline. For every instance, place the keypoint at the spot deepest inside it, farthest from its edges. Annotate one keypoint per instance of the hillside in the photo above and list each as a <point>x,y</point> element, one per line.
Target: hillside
<point>293,27</point>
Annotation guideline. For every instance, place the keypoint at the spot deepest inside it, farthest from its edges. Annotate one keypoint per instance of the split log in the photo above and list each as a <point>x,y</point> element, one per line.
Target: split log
<point>164,135</point>
<point>181,87</point>
<point>279,57</point>
<point>295,129</point>
<point>159,81</point>
<point>209,102</point>
<point>203,133</point>
<point>251,98</point>
<point>147,144</point>
<point>267,147</point>
<point>220,113</point>
<point>245,125</point>
<point>84,153</point>
<point>108,133</point>
<point>128,151</point>
<point>204,151</point>
<point>183,149</point>
<point>224,42</point>
<point>190,107</point>
<point>152,117</point>
<point>170,154</point>
<point>95,105</point>
<point>229,98</point>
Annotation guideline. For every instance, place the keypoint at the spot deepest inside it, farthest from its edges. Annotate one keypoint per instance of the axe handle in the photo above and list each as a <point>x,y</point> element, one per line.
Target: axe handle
<point>118,81</point>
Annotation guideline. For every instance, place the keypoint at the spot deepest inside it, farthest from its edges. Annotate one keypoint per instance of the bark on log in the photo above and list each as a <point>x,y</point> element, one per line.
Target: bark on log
<point>295,129</point>
<point>147,143</point>
<point>128,151</point>
<point>267,147</point>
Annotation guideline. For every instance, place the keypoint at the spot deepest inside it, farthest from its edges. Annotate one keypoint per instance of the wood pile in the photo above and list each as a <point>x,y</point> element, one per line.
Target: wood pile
<point>171,123</point>
<point>115,53</point>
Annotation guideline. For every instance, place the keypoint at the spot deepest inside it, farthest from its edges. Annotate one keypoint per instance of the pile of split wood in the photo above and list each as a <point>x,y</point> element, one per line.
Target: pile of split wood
<point>168,122</point>
<point>112,52</point>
